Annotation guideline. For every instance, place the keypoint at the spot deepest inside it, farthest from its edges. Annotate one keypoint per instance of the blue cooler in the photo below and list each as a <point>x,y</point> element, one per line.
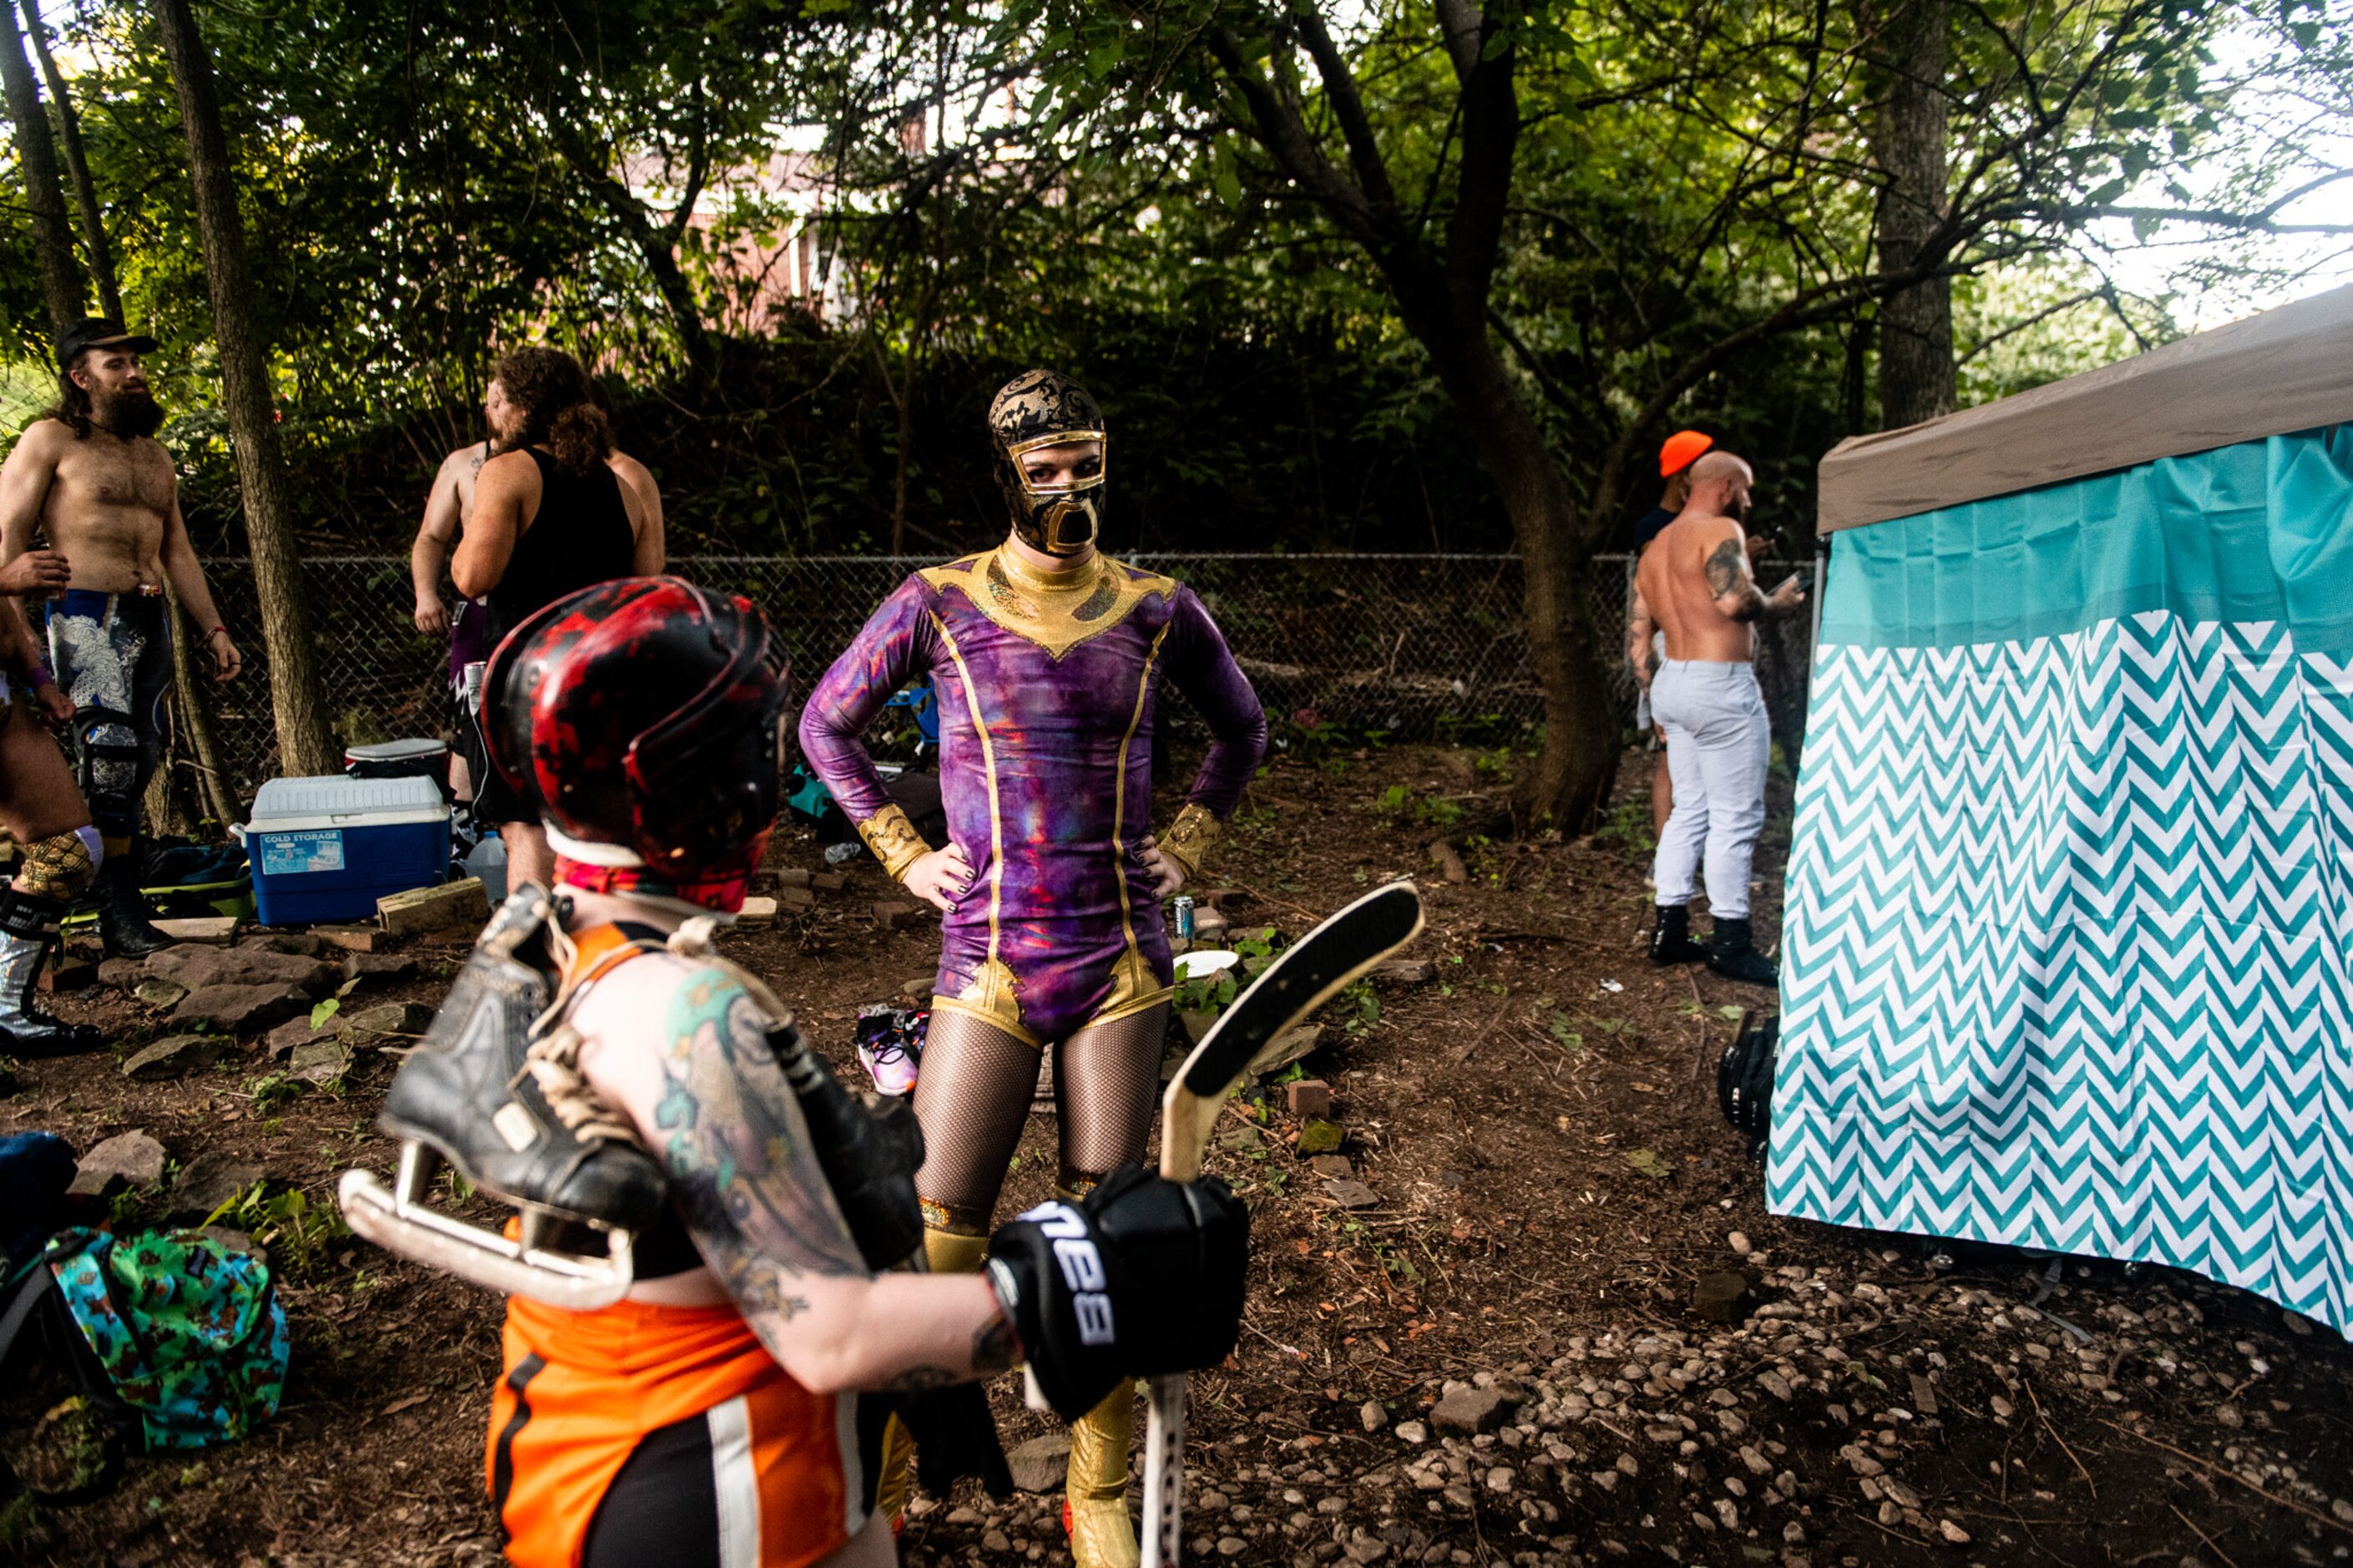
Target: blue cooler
<point>328,848</point>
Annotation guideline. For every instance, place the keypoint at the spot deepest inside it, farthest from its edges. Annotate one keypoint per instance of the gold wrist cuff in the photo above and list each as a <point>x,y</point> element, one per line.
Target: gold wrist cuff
<point>893,839</point>
<point>1186,842</point>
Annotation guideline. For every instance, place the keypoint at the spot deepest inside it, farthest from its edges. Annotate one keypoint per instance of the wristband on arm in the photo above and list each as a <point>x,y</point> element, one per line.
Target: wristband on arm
<point>1188,837</point>
<point>893,839</point>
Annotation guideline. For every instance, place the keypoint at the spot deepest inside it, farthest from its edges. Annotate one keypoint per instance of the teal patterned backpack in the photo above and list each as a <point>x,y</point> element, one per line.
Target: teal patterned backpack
<point>188,1332</point>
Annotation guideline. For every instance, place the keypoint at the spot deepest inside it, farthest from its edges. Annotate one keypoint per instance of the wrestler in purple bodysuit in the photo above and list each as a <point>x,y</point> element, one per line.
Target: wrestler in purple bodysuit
<point>1049,685</point>
<point>1048,693</point>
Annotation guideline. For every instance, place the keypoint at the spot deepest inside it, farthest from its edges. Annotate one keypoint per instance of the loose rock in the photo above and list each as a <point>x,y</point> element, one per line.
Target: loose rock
<point>238,1008</point>
<point>1352,1195</point>
<point>127,1159</point>
<point>162,995</point>
<point>1039,1464</point>
<point>198,967</point>
<point>173,1058</point>
<point>298,1032</point>
<point>321,1061</point>
<point>1721,1298</point>
<point>391,1020</point>
<point>302,944</point>
<point>376,966</point>
<point>1317,1137</point>
<point>1372,1416</point>
<point>210,1180</point>
<point>451,907</point>
<point>1470,1410</point>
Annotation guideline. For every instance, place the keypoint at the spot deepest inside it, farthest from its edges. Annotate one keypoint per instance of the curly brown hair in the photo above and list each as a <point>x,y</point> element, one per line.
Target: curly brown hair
<point>559,409</point>
<point>72,407</point>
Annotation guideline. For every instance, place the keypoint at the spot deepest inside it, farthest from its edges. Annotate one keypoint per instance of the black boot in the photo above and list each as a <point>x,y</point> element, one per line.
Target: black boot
<point>123,911</point>
<point>1733,954</point>
<point>1671,937</point>
<point>29,930</point>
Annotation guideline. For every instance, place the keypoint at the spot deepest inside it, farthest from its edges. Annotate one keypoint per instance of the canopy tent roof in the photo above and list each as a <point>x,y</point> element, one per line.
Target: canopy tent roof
<point>2287,369</point>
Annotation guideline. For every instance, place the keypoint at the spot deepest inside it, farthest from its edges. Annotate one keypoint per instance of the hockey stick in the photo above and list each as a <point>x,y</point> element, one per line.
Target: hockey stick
<point>1301,978</point>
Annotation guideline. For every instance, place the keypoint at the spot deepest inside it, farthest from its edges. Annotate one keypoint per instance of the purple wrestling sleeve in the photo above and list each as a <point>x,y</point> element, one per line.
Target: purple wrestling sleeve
<point>895,644</point>
<point>1203,668</point>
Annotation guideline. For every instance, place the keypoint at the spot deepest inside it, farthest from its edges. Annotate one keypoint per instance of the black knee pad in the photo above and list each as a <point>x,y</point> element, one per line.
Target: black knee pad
<point>108,760</point>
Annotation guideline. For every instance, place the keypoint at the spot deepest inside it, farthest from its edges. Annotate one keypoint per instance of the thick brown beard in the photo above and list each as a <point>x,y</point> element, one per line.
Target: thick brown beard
<point>129,415</point>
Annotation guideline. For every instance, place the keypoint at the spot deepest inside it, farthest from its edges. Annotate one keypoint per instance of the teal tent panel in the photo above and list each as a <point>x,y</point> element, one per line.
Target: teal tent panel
<point>2070,901</point>
<point>2257,533</point>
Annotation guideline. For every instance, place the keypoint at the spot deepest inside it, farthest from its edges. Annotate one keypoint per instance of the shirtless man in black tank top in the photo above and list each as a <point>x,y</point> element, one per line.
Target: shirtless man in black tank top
<point>552,514</point>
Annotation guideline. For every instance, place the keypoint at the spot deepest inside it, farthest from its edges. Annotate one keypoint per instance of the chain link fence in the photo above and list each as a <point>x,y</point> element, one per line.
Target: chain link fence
<point>1414,645</point>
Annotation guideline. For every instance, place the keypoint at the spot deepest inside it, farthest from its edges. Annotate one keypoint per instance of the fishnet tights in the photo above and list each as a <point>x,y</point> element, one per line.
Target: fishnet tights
<point>975,1090</point>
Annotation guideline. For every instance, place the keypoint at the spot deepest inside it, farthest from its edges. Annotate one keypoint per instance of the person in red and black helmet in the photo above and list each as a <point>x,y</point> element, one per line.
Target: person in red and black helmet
<point>703,1418</point>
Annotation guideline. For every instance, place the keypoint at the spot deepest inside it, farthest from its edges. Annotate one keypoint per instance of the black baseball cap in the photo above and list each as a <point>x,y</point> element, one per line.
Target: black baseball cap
<point>98,333</point>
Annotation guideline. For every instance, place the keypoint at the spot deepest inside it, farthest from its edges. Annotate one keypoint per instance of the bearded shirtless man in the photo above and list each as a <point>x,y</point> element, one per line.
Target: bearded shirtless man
<point>90,475</point>
<point>1694,585</point>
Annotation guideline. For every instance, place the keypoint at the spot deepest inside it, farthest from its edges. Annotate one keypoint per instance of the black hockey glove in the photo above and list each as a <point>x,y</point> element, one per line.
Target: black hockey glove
<point>954,1434</point>
<point>1142,1276</point>
<point>870,1156</point>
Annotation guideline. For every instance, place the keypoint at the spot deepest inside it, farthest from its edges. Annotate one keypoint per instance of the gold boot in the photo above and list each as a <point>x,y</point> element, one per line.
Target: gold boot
<point>947,1252</point>
<point>1095,1489</point>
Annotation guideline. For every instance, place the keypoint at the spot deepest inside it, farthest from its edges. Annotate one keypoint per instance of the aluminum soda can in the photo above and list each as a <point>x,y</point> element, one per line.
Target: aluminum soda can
<point>1181,911</point>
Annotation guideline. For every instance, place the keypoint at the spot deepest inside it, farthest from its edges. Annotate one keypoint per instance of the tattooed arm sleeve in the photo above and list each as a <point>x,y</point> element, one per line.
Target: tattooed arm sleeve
<point>1731,581</point>
<point>729,1132</point>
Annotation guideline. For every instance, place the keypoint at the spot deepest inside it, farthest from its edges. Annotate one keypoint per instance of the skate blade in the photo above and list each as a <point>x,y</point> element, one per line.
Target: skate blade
<point>487,1259</point>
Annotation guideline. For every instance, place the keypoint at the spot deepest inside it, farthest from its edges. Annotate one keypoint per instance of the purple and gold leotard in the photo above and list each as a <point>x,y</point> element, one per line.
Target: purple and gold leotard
<point>1048,685</point>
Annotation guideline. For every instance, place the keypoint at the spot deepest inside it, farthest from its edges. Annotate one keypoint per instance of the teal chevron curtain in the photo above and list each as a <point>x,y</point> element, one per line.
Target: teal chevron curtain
<point>2067,928</point>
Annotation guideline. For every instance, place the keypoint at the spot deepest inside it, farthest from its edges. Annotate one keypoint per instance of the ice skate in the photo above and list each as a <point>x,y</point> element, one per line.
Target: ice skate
<point>492,1091</point>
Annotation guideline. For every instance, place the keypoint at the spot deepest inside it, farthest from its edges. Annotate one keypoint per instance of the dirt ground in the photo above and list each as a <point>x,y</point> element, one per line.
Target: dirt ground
<point>1553,1178</point>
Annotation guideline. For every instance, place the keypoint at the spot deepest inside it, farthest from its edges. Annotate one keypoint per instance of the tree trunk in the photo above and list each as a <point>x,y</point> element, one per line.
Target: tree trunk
<point>1908,135</point>
<point>100,254</point>
<point>36,154</point>
<point>196,725</point>
<point>1578,762</point>
<point>304,745</point>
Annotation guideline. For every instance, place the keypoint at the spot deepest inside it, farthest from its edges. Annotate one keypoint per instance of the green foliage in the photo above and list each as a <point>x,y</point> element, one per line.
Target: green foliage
<point>297,1232</point>
<point>1399,801</point>
<point>1049,182</point>
<point>272,1091</point>
<point>1628,827</point>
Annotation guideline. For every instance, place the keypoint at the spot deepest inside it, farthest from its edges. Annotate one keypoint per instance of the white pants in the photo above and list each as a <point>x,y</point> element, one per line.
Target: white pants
<point>1719,743</point>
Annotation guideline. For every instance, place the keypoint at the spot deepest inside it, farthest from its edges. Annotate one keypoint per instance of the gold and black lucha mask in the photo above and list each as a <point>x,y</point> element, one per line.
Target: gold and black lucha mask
<point>1045,408</point>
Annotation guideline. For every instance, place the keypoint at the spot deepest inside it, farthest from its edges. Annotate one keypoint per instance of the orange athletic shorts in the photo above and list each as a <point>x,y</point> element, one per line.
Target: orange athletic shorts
<point>637,1422</point>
